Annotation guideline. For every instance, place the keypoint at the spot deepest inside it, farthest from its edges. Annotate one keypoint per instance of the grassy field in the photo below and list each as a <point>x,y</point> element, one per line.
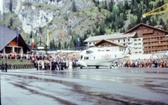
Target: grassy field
<point>15,61</point>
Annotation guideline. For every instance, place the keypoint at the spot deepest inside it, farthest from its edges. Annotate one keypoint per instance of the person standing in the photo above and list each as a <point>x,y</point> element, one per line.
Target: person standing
<point>6,67</point>
<point>2,66</point>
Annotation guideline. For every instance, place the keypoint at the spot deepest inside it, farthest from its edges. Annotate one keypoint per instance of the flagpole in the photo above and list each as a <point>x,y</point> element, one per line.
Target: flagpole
<point>17,35</point>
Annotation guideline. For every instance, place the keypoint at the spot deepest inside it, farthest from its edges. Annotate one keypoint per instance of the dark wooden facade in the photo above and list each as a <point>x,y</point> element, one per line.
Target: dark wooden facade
<point>154,39</point>
<point>107,43</point>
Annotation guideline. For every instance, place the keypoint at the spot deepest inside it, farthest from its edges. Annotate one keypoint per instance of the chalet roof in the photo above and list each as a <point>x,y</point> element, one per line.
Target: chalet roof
<point>109,41</point>
<point>6,36</point>
<point>107,37</point>
<point>142,24</point>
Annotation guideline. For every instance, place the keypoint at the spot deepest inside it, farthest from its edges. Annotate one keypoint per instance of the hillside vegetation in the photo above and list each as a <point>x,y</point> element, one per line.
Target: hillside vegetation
<point>125,15</point>
<point>70,23</point>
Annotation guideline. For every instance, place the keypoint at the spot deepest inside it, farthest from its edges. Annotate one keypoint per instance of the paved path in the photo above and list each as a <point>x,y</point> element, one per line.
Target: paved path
<point>85,87</point>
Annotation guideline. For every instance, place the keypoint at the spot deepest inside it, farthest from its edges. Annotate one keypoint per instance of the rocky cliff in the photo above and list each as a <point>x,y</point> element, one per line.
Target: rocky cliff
<point>60,18</point>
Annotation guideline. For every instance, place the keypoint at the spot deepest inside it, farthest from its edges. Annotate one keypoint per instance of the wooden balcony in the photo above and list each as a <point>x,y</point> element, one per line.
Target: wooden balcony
<point>155,44</point>
<point>151,49</point>
<point>154,40</point>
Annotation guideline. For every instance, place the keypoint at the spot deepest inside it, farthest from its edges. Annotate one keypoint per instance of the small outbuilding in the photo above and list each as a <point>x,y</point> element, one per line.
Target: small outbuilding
<point>12,42</point>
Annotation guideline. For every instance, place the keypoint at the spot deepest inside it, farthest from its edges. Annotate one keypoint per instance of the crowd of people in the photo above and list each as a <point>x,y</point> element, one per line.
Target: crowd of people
<point>68,61</point>
<point>142,63</point>
<point>43,61</point>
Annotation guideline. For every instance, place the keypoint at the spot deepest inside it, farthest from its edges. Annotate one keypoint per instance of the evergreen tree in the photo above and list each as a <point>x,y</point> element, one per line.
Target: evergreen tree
<point>51,45</point>
<point>126,5</point>
<point>11,22</point>
<point>54,45</point>
<point>110,5</point>
<point>31,34</point>
<point>161,22</point>
<point>10,6</point>
<point>72,43</point>
<point>105,5</point>
<point>147,3</point>
<point>74,8</point>
<point>65,45</point>
<point>94,1</point>
<point>102,28</point>
<point>133,2</point>
<point>59,45</point>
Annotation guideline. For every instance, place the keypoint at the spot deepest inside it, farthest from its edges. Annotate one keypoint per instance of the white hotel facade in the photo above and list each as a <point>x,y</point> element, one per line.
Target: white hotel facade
<point>125,39</point>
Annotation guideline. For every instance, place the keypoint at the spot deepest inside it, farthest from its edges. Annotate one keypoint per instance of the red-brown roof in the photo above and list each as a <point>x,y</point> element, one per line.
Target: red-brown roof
<point>142,24</point>
<point>109,41</point>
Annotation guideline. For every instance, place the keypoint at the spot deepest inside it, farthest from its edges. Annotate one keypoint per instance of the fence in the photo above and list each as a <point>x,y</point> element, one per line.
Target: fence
<point>20,66</point>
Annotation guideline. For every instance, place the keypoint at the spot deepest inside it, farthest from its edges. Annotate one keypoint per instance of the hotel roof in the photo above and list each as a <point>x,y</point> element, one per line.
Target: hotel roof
<point>142,24</point>
<point>113,36</point>
<point>109,41</point>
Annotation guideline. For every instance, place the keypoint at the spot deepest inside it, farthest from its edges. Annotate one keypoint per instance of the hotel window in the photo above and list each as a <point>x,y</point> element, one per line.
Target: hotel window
<point>86,58</point>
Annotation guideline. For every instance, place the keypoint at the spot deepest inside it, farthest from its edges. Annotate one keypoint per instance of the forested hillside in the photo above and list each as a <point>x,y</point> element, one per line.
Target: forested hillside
<point>118,18</point>
<point>125,15</point>
<point>70,22</point>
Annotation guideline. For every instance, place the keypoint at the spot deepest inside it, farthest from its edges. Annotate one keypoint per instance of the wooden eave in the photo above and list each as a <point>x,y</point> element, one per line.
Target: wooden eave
<point>111,42</point>
<point>142,24</point>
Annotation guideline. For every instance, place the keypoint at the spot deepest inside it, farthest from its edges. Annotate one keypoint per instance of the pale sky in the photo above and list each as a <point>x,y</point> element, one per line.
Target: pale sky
<point>1,6</point>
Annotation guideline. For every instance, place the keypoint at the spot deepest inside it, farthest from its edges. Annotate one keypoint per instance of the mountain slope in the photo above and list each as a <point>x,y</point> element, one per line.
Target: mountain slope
<point>66,20</point>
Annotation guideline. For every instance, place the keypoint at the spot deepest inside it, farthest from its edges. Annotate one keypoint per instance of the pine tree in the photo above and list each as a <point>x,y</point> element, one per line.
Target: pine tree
<point>147,3</point>
<point>10,6</point>
<point>102,28</point>
<point>11,22</point>
<point>31,34</point>
<point>105,5</point>
<point>110,5</point>
<point>126,5</point>
<point>59,45</point>
<point>74,8</point>
<point>65,45</point>
<point>161,22</point>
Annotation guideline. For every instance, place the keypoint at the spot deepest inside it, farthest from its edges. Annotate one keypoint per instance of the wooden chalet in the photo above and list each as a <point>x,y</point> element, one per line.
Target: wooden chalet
<point>12,42</point>
<point>108,43</point>
<point>154,39</point>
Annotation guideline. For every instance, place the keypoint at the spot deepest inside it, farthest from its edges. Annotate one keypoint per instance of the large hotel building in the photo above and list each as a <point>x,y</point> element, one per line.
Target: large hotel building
<point>144,39</point>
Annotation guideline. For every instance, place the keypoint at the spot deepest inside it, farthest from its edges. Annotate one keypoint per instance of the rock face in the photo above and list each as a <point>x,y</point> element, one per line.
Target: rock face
<point>53,15</point>
<point>38,13</point>
<point>31,18</point>
<point>31,14</point>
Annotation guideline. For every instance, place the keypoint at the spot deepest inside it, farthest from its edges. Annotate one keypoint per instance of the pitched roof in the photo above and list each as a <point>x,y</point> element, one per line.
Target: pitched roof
<point>142,24</point>
<point>109,41</point>
<point>6,36</point>
<point>113,36</point>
